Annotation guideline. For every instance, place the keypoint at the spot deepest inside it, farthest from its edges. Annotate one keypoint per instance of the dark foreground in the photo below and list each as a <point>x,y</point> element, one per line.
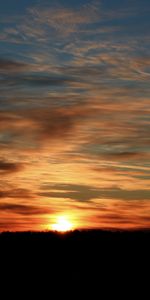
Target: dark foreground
<point>76,257</point>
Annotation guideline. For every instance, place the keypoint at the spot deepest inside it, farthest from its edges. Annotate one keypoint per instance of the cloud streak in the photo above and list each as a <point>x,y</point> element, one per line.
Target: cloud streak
<point>87,193</point>
<point>10,167</point>
<point>23,209</point>
<point>18,193</point>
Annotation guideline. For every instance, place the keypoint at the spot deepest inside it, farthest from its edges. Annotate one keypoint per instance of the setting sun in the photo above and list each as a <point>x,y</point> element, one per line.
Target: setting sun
<point>62,225</point>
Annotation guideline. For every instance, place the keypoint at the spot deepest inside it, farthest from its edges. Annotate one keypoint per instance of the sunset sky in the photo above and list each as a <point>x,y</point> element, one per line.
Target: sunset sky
<point>74,114</point>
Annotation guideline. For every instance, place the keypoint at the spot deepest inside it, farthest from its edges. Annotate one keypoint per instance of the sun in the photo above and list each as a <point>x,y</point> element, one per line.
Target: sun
<point>62,225</point>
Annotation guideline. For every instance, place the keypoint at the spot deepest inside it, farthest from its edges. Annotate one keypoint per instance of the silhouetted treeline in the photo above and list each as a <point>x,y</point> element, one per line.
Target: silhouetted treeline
<point>78,256</point>
<point>78,236</point>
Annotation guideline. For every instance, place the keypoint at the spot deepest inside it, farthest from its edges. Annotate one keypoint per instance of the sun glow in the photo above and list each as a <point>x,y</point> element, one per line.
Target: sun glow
<point>62,225</point>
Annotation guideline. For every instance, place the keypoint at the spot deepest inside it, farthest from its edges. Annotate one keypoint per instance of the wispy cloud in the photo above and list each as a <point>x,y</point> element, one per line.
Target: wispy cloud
<point>87,193</point>
<point>23,209</point>
<point>16,193</point>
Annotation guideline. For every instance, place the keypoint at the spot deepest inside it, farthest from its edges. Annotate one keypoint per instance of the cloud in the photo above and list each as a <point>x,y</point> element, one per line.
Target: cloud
<point>10,167</point>
<point>62,20</point>
<point>124,156</point>
<point>23,209</point>
<point>16,193</point>
<point>127,194</point>
<point>23,75</point>
<point>88,193</point>
<point>71,191</point>
<point>56,21</point>
<point>125,214</point>
<point>92,64</point>
<point>32,128</point>
<point>42,22</point>
<point>8,65</point>
<point>37,81</point>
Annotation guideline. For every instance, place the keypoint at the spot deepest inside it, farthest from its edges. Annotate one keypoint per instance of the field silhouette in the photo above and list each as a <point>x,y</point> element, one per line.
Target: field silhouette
<point>76,257</point>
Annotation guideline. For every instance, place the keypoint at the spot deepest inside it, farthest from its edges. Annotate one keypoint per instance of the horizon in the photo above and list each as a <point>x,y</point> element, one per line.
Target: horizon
<point>80,230</point>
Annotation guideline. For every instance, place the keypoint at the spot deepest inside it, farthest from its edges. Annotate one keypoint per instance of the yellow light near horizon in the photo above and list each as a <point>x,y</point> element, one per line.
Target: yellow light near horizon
<point>62,225</point>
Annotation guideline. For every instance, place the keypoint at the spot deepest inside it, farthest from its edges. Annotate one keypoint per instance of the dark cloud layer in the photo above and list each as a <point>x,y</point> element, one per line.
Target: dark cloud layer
<point>16,193</point>
<point>8,65</point>
<point>87,193</point>
<point>74,192</point>
<point>34,81</point>
<point>23,209</point>
<point>32,128</point>
<point>10,167</point>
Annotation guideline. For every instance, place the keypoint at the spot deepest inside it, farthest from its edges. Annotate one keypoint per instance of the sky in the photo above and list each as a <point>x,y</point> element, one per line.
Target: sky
<point>74,114</point>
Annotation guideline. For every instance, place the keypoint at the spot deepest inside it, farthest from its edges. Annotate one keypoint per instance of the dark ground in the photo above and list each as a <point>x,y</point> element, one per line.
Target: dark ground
<point>79,257</point>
